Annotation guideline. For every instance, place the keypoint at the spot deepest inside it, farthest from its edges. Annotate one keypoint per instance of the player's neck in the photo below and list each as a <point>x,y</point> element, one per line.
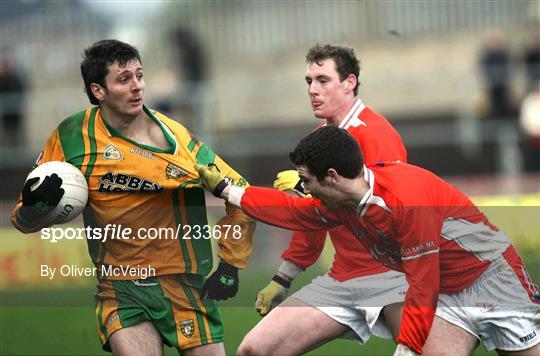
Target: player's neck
<point>141,128</point>
<point>356,189</point>
<point>125,124</point>
<point>341,115</point>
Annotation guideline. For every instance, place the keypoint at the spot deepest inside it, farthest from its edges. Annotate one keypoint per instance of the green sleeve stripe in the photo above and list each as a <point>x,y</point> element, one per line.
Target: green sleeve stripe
<point>178,218</point>
<point>200,320</point>
<point>93,144</point>
<point>197,218</point>
<point>192,144</point>
<point>205,155</point>
<point>71,139</point>
<point>193,181</point>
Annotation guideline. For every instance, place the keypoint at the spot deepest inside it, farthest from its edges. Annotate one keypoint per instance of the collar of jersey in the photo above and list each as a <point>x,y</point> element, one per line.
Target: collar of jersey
<point>171,140</point>
<point>364,202</point>
<point>370,198</point>
<point>357,108</point>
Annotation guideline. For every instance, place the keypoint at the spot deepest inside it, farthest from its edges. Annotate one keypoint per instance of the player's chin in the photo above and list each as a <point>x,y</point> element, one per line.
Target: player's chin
<point>134,109</point>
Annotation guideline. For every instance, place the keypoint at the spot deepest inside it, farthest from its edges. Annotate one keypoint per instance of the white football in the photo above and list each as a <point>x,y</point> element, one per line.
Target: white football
<point>75,190</point>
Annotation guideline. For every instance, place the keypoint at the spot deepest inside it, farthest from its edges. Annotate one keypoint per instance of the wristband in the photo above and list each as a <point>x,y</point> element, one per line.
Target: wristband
<point>220,188</point>
<point>282,281</point>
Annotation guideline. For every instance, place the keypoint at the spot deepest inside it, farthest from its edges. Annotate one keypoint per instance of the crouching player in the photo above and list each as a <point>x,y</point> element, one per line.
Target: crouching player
<point>357,294</point>
<point>458,265</point>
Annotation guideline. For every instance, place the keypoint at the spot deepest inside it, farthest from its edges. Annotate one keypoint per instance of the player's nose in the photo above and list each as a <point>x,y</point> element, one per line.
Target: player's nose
<point>138,85</point>
<point>312,89</point>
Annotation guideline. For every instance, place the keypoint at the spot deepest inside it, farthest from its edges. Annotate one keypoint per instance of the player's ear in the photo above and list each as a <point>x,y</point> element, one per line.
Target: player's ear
<point>332,175</point>
<point>350,82</point>
<point>98,91</point>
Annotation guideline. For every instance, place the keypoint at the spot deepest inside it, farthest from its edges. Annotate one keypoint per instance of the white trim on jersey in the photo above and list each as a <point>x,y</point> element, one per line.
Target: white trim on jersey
<point>171,134</point>
<point>370,198</point>
<point>419,255</point>
<point>351,119</point>
<point>320,215</point>
<point>476,238</point>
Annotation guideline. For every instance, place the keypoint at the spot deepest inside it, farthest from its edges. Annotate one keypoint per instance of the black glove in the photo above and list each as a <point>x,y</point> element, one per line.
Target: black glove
<point>222,284</point>
<point>39,202</point>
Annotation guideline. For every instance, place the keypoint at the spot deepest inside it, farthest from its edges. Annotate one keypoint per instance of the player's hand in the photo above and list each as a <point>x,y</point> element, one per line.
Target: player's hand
<point>270,296</point>
<point>289,181</point>
<point>212,179</point>
<point>222,284</point>
<point>403,350</point>
<point>39,202</point>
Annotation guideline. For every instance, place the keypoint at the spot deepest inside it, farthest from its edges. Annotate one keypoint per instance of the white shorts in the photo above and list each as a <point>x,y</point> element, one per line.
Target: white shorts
<point>357,302</point>
<point>497,308</point>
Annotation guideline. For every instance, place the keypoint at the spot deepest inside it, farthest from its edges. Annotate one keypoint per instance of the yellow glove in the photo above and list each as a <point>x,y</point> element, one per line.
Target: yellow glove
<point>289,181</point>
<point>212,179</point>
<point>271,295</point>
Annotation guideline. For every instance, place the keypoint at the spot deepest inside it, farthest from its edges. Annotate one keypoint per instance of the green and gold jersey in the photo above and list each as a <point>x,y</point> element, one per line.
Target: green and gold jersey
<point>155,193</point>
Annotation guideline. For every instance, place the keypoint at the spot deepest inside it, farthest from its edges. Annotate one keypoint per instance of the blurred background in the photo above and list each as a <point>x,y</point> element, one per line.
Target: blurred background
<point>458,79</point>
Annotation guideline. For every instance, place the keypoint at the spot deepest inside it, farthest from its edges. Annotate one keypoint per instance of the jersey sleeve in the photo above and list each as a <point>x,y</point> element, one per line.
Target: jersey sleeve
<point>305,248</point>
<point>418,242</point>
<point>280,209</point>
<point>235,251</point>
<point>51,152</point>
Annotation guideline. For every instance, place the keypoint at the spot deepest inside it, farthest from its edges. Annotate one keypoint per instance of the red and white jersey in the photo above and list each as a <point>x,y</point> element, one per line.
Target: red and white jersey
<point>411,221</point>
<point>379,142</point>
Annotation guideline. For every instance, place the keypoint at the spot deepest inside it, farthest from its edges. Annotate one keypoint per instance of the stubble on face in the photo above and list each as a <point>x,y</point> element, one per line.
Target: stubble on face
<point>125,89</point>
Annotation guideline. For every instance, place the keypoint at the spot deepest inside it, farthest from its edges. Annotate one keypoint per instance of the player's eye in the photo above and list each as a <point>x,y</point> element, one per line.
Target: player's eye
<point>139,76</point>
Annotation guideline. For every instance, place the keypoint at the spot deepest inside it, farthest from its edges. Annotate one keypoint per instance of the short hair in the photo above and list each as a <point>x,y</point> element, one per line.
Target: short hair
<point>98,57</point>
<point>344,57</point>
<point>329,147</point>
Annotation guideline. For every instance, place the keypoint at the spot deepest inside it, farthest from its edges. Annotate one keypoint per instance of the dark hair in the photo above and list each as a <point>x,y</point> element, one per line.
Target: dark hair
<point>344,57</point>
<point>98,57</point>
<point>329,147</point>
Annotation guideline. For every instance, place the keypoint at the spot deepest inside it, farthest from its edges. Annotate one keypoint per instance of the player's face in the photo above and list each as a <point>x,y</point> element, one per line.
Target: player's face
<point>124,89</point>
<point>329,96</point>
<point>324,191</point>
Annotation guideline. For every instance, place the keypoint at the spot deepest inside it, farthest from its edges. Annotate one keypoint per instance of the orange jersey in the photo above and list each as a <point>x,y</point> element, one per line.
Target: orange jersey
<point>143,188</point>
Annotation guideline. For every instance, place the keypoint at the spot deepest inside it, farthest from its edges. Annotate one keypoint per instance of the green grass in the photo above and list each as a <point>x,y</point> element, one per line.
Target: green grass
<point>62,322</point>
<point>71,331</point>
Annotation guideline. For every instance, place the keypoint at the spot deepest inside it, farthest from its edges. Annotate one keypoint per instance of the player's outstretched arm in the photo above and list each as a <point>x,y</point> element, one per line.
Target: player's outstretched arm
<point>270,205</point>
